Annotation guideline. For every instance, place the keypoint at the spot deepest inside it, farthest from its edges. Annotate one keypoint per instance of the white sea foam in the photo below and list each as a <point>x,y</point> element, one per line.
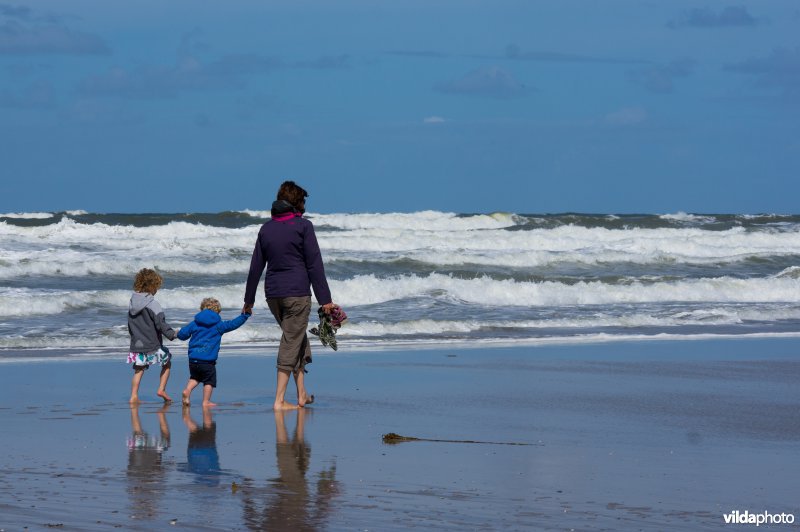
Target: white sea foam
<point>257,333</point>
<point>435,327</point>
<point>707,317</point>
<point>422,220</point>
<point>765,215</point>
<point>80,314</point>
<point>69,242</point>
<point>121,341</point>
<point>570,243</point>
<point>684,217</point>
<point>256,214</point>
<point>71,263</point>
<point>484,291</point>
<point>28,215</point>
<point>792,272</point>
<point>70,248</point>
<point>417,221</point>
<point>26,301</point>
<point>368,289</point>
<point>173,234</point>
<point>176,260</point>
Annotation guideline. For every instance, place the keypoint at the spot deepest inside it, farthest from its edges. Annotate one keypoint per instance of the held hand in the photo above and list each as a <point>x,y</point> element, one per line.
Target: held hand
<point>247,308</point>
<point>327,308</point>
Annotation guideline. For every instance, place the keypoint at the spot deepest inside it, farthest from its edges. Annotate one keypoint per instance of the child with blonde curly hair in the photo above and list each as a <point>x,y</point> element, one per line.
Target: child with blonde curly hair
<point>206,336</point>
<point>147,327</point>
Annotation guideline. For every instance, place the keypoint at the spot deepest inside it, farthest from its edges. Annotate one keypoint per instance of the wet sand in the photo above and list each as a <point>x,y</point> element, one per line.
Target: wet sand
<point>641,436</point>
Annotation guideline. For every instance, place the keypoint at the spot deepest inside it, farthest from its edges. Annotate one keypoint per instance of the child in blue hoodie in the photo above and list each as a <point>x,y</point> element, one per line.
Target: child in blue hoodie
<point>206,335</point>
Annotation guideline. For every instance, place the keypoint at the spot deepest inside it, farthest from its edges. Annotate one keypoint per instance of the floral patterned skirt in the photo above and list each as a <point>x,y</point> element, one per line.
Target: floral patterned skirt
<point>162,357</point>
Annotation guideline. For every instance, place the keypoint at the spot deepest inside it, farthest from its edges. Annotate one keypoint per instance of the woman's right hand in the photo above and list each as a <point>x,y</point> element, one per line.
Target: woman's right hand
<point>328,307</point>
<point>247,308</point>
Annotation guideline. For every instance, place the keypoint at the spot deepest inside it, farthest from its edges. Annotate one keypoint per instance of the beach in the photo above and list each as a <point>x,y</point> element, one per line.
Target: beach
<point>646,435</point>
<point>560,237</point>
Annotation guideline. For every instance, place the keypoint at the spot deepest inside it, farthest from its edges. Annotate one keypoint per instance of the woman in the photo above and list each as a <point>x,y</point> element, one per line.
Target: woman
<point>287,246</point>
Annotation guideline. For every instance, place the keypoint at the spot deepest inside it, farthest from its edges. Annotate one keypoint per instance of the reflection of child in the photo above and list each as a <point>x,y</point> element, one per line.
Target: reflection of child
<point>140,443</point>
<point>206,336</point>
<point>146,462</point>
<point>147,326</point>
<point>201,452</point>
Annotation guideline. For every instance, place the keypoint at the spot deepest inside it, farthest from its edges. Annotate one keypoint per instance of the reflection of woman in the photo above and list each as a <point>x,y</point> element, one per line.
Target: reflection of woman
<point>287,246</point>
<point>294,508</point>
<point>145,462</point>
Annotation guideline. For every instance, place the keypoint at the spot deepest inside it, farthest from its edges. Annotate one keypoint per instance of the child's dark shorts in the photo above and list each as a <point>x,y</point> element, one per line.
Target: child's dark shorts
<point>203,371</point>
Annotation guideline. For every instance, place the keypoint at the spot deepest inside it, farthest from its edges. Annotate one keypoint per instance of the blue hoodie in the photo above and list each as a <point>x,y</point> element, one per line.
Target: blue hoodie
<point>206,334</point>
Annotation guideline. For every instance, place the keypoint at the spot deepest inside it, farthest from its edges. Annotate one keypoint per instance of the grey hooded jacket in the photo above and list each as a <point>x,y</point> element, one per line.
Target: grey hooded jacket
<point>146,324</point>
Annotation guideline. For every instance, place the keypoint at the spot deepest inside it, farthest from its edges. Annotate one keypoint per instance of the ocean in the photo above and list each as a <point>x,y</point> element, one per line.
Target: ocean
<point>427,279</point>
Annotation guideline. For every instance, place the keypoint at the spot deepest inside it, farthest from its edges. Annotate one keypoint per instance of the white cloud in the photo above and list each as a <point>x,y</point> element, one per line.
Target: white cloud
<point>434,120</point>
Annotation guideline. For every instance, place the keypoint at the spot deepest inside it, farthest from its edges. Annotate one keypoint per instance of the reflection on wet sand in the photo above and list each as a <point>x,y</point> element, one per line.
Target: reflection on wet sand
<point>146,469</point>
<point>288,503</point>
<point>201,452</point>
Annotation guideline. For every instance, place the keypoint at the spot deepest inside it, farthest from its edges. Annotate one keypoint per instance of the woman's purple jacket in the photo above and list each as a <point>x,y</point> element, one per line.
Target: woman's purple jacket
<point>287,246</point>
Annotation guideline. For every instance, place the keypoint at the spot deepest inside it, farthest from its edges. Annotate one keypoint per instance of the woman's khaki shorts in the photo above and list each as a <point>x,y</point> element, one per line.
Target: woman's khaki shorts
<point>291,313</point>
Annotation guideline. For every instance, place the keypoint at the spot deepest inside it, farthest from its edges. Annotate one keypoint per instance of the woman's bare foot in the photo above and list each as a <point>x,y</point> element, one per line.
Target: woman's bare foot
<point>208,403</point>
<point>185,398</point>
<point>134,400</point>
<point>307,401</point>
<point>163,394</point>
<point>284,406</point>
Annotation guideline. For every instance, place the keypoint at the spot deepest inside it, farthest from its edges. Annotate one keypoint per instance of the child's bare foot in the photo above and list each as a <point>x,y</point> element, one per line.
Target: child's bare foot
<point>284,406</point>
<point>185,397</point>
<point>163,394</point>
<point>307,401</point>
<point>208,403</point>
<point>134,400</point>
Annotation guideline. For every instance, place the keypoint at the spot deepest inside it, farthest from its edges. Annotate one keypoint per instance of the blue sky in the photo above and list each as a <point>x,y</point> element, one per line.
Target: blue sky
<point>465,106</point>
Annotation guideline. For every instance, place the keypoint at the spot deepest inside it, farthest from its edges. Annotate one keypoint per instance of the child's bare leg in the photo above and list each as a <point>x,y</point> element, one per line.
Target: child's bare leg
<point>162,384</point>
<point>302,396</point>
<point>207,391</point>
<point>137,379</point>
<point>280,391</point>
<point>191,385</point>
